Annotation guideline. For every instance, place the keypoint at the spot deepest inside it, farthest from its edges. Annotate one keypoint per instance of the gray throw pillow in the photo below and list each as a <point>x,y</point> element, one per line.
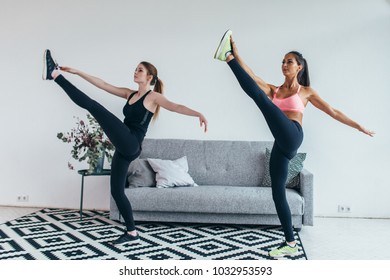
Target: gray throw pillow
<point>295,166</point>
<point>141,174</point>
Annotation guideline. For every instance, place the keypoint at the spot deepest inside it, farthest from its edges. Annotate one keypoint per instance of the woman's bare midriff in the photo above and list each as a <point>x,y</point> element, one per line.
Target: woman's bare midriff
<point>294,116</point>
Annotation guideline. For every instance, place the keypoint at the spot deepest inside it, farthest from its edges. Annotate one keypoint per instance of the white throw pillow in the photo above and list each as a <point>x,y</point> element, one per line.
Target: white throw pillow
<point>171,173</point>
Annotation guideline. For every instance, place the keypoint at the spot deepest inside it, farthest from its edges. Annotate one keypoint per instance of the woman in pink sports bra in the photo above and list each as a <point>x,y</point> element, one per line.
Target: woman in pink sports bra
<point>282,108</point>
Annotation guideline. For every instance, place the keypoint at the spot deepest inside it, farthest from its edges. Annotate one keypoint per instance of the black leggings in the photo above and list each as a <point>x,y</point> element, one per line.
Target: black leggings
<point>288,136</point>
<point>126,142</point>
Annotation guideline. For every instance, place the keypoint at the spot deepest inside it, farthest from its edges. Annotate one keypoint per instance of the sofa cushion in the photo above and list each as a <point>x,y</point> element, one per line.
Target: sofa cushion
<point>171,173</point>
<point>295,166</point>
<point>211,199</point>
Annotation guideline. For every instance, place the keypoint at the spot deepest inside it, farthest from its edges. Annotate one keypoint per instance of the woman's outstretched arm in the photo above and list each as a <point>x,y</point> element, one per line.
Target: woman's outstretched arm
<point>268,89</point>
<point>99,83</point>
<point>319,103</point>
<point>178,108</point>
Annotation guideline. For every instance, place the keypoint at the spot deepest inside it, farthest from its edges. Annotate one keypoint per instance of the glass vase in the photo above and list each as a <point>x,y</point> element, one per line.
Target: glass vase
<point>100,163</point>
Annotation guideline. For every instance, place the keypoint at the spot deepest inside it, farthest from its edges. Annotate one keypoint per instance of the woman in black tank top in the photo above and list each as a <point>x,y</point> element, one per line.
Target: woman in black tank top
<point>127,136</point>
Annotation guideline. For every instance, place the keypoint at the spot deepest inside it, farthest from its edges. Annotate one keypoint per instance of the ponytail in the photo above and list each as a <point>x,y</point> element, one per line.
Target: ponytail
<point>303,75</point>
<point>158,87</point>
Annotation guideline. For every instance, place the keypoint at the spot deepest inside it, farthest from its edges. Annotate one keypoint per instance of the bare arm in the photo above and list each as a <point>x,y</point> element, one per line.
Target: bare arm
<point>263,85</point>
<point>180,109</point>
<point>319,103</point>
<point>99,83</point>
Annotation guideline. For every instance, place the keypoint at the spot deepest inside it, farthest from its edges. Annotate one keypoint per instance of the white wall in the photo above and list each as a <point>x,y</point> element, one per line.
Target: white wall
<point>345,42</point>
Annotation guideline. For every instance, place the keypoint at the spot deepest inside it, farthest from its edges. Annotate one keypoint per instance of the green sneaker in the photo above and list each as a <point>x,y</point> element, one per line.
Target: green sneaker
<point>224,46</point>
<point>284,250</point>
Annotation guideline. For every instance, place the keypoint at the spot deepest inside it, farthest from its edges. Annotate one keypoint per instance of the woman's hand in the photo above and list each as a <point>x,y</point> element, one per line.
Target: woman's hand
<point>203,121</point>
<point>366,131</point>
<point>234,47</point>
<point>68,69</point>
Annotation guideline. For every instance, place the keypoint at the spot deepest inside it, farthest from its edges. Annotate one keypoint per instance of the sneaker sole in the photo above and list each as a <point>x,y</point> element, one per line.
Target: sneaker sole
<point>218,51</point>
<point>285,255</point>
<point>44,73</point>
<point>127,242</point>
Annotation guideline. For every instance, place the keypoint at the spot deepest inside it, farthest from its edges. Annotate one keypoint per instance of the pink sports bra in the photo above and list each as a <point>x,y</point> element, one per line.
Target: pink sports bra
<point>292,103</point>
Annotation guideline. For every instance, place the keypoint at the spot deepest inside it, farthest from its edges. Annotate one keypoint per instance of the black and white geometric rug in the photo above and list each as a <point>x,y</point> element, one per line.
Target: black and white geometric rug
<point>59,234</point>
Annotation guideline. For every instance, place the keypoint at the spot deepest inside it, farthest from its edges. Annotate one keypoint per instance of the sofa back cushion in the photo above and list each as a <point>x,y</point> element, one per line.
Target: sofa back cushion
<point>214,162</point>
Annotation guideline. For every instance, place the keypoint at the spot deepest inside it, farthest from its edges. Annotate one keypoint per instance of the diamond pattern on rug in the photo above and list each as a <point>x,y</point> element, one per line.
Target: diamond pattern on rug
<point>250,238</point>
<point>9,246</point>
<point>59,234</point>
<point>176,236</point>
<point>209,247</point>
<point>160,254</point>
<point>78,252</point>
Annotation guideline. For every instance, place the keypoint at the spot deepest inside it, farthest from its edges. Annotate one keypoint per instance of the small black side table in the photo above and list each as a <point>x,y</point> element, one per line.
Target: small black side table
<point>84,173</point>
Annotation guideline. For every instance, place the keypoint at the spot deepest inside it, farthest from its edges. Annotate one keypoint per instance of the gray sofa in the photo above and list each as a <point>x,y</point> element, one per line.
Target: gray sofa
<point>229,175</point>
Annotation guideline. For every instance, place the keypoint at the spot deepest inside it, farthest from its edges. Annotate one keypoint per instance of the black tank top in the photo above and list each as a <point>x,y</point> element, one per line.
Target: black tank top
<point>137,117</point>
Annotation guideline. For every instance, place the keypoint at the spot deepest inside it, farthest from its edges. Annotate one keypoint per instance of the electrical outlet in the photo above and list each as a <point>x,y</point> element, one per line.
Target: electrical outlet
<point>344,209</point>
<point>22,198</point>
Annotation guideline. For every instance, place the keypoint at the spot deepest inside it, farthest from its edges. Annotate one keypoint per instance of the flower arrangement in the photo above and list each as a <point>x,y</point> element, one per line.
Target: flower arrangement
<point>89,143</point>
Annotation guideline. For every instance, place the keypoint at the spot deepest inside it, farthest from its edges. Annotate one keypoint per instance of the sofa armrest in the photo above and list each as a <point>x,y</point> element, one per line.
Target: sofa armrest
<point>306,190</point>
